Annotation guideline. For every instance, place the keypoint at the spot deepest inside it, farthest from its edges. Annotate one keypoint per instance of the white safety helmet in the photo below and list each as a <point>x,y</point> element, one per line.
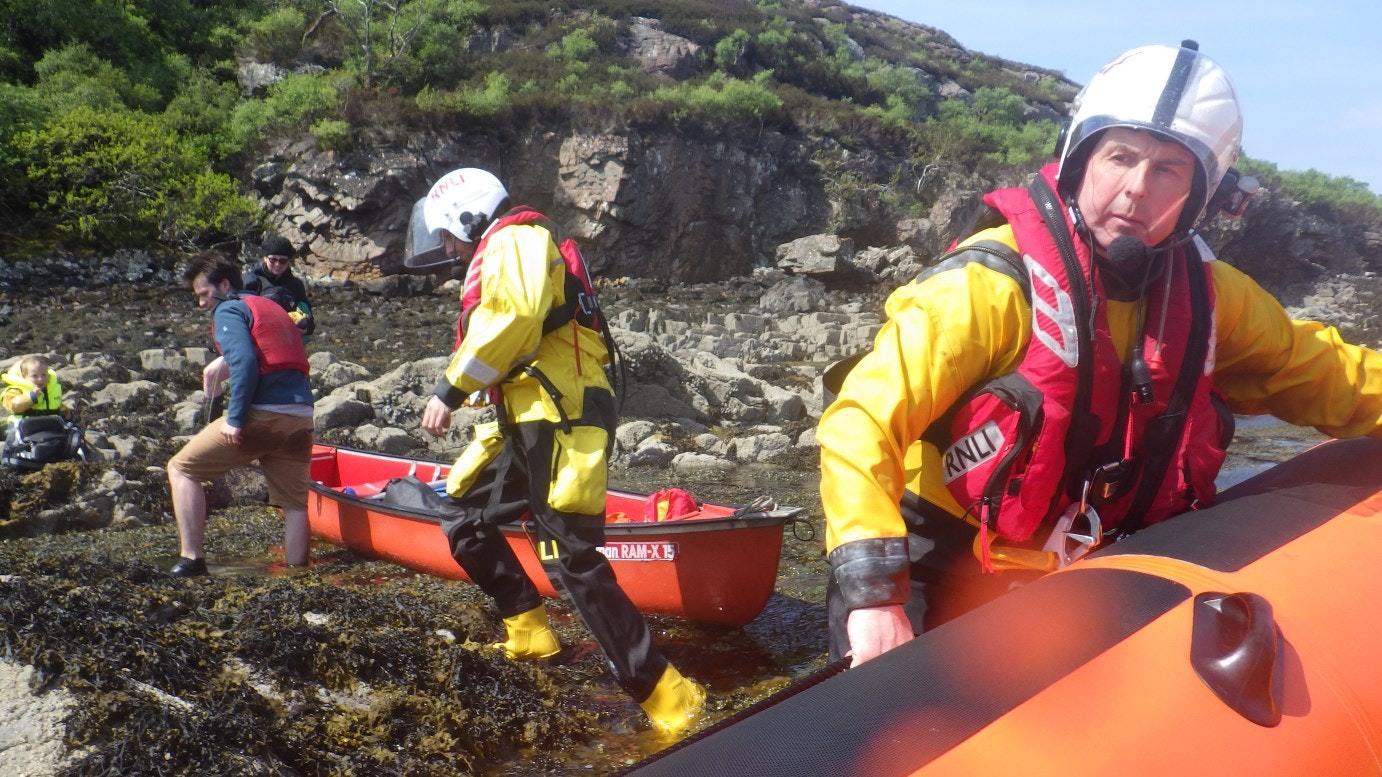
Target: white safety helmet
<point>1175,92</point>
<point>463,202</point>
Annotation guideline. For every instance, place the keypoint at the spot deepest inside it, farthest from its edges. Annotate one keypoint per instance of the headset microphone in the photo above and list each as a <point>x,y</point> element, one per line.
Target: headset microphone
<point>1129,253</point>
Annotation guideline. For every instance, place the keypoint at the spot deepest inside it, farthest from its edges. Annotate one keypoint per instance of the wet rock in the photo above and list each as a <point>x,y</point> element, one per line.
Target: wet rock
<point>653,401</point>
<point>652,452</point>
<point>366,434</point>
<point>90,359</point>
<point>129,514</point>
<point>816,255</point>
<point>794,295</point>
<point>333,412</point>
<point>418,377</point>
<point>340,374</point>
<point>125,396</point>
<point>112,481</point>
<point>162,359</point>
<point>395,441</point>
<point>125,446</point>
<point>199,357</point>
<point>189,417</point>
<point>709,443</point>
<point>691,426</point>
<point>93,512</point>
<point>629,434</point>
<point>83,377</point>
<point>692,462</point>
<point>760,447</point>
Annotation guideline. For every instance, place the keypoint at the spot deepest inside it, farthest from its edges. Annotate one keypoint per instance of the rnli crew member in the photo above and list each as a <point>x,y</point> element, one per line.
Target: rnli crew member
<point>31,387</point>
<point>273,278</point>
<point>268,417</point>
<point>521,341</point>
<point>1064,376</point>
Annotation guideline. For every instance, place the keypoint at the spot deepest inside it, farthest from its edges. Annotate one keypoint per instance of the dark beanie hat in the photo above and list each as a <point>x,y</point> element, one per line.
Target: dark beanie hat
<point>275,245</point>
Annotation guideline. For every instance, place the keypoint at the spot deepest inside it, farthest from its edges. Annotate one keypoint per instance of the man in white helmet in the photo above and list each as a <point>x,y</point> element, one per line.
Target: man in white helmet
<point>525,338</point>
<point>1065,375</point>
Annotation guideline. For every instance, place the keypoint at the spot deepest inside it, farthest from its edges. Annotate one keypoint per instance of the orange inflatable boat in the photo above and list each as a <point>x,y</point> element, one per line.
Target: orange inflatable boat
<point>1241,639</point>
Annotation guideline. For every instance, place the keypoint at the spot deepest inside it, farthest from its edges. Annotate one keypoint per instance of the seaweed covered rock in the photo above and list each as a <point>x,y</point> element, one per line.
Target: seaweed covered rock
<point>282,674</point>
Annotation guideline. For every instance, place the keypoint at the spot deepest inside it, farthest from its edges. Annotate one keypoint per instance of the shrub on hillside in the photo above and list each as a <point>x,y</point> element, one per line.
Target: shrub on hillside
<point>1334,195</point>
<point>74,75</point>
<point>202,109</point>
<point>331,134</point>
<point>277,36</point>
<point>482,101</point>
<point>721,101</point>
<point>295,100</point>
<point>112,179</point>
<point>992,127</point>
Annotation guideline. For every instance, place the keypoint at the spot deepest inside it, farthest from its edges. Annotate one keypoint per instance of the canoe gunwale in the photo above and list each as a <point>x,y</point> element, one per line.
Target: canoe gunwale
<point>749,520</point>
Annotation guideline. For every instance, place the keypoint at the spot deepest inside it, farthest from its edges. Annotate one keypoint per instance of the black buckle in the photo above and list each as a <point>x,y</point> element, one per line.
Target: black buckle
<point>1107,479</point>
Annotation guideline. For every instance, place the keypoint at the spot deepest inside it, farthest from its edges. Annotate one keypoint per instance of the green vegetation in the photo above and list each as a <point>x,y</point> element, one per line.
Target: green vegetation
<point>721,100</point>
<point>122,178</point>
<point>124,122</point>
<point>1336,196</point>
<point>991,126</point>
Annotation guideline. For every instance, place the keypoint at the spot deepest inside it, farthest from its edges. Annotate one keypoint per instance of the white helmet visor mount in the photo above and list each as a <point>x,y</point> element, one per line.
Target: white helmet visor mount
<point>1174,92</point>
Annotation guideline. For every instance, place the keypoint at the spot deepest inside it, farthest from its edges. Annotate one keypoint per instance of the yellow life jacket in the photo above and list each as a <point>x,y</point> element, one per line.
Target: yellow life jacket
<point>49,400</point>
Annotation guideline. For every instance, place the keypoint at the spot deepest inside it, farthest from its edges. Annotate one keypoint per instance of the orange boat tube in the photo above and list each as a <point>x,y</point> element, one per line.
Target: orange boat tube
<point>1241,639</point>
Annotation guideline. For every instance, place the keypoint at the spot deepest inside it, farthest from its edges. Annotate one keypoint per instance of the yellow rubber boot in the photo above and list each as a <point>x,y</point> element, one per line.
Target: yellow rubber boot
<point>676,702</point>
<point>530,636</point>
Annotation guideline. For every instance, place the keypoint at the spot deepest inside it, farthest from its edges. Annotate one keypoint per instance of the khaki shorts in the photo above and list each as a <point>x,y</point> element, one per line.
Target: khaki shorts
<point>282,444</point>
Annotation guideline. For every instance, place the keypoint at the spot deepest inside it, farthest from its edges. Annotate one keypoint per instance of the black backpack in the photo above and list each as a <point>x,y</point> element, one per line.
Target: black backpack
<point>33,441</point>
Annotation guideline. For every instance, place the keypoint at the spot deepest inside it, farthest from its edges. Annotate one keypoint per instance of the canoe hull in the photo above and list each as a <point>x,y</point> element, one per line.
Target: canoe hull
<point>714,569</point>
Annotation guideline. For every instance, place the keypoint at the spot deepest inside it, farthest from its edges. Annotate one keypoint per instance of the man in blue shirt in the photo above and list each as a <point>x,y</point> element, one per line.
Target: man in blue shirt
<point>268,417</point>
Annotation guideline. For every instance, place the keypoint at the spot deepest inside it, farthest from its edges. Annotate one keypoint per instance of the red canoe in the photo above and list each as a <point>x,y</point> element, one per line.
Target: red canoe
<point>717,565</point>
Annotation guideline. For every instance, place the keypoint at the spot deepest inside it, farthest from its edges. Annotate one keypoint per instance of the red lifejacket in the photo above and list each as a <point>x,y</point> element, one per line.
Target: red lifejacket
<point>277,340</point>
<point>579,289</point>
<point>1018,451</point>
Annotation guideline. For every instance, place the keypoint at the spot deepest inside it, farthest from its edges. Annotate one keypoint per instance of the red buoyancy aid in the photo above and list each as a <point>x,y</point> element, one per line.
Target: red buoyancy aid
<point>1022,448</point>
<point>580,289</point>
<point>277,340</point>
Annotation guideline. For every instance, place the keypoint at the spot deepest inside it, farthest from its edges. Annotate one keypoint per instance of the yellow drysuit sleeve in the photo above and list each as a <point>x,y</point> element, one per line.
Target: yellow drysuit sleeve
<point>943,335</point>
<point>1299,371</point>
<point>516,291</point>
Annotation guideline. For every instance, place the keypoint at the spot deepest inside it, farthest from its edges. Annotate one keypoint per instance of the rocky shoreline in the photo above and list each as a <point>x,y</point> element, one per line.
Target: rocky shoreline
<point>723,397</point>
